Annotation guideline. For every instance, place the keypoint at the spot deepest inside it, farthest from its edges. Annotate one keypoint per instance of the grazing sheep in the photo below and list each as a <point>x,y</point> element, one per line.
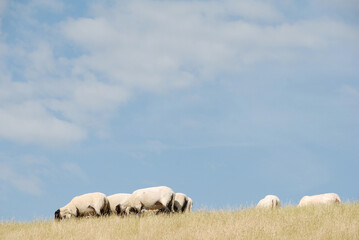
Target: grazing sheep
<point>85,205</point>
<point>269,201</point>
<point>326,198</point>
<point>154,198</point>
<point>117,201</point>
<point>182,203</point>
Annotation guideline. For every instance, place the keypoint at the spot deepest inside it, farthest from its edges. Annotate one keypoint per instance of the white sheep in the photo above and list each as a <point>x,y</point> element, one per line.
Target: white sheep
<point>269,201</point>
<point>182,203</point>
<point>117,201</point>
<point>154,198</point>
<point>326,198</point>
<point>85,205</point>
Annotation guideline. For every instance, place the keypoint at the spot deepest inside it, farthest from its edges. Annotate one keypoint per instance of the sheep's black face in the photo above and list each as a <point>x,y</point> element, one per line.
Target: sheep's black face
<point>133,211</point>
<point>57,215</point>
<point>118,209</point>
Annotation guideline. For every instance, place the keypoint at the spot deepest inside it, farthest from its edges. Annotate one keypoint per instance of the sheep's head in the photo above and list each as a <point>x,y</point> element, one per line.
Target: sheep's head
<point>62,214</point>
<point>57,215</point>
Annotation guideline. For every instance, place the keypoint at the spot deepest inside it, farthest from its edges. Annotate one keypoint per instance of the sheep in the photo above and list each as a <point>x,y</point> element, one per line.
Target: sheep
<point>182,203</point>
<point>153,198</point>
<point>85,205</point>
<point>269,201</point>
<point>117,201</point>
<point>326,198</point>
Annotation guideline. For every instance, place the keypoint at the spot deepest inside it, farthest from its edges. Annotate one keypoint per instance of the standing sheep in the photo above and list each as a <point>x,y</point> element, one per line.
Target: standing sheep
<point>84,205</point>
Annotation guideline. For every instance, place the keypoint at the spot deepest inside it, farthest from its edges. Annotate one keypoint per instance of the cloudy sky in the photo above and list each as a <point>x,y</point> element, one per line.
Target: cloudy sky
<point>226,101</point>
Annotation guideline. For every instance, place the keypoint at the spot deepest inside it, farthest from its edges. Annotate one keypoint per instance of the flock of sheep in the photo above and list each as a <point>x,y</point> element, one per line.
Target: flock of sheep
<point>158,199</point>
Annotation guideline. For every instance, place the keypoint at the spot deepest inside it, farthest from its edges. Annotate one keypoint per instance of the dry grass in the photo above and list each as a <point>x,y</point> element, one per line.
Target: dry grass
<point>324,222</point>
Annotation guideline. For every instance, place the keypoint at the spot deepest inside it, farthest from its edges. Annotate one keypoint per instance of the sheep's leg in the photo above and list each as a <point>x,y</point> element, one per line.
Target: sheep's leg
<point>139,210</point>
<point>168,204</point>
<point>165,208</point>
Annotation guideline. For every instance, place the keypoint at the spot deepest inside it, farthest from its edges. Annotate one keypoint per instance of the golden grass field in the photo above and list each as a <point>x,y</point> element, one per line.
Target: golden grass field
<point>320,222</point>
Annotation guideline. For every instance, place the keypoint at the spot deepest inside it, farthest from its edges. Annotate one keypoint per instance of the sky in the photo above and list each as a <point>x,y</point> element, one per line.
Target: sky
<point>226,101</point>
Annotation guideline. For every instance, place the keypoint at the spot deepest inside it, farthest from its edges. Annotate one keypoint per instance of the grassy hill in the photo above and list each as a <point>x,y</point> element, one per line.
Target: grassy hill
<point>321,222</point>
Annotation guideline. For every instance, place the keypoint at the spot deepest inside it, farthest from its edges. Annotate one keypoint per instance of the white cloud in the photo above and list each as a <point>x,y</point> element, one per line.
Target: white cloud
<point>133,47</point>
<point>91,33</point>
<point>42,60</point>
<point>253,10</point>
<point>3,47</point>
<point>31,123</point>
<point>49,105</point>
<point>164,46</point>
<point>52,5</point>
<point>349,90</point>
<point>29,173</point>
<point>32,160</point>
<point>3,5</point>
<point>337,4</point>
<point>27,183</point>
<point>75,170</point>
<point>29,9</point>
<point>155,146</point>
<point>89,102</point>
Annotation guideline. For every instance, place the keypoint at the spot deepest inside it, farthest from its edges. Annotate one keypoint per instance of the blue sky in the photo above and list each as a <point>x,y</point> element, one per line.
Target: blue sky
<point>226,101</point>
